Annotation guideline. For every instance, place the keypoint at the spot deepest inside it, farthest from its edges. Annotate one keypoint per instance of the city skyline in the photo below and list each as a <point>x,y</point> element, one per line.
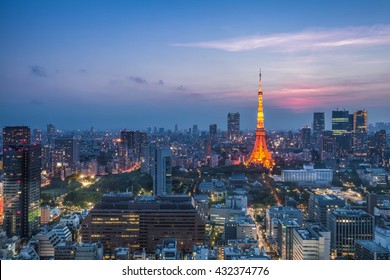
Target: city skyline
<point>138,65</point>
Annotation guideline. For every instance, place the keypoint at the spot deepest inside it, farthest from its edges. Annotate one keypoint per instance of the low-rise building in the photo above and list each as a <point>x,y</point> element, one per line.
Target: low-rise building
<point>308,175</point>
<point>369,250</point>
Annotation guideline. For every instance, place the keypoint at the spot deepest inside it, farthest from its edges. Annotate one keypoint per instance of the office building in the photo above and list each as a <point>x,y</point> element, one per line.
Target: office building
<point>275,213</point>
<point>21,182</point>
<point>320,205</point>
<point>327,146</point>
<point>308,175</point>
<point>369,250</point>
<point>346,226</point>
<point>360,129</point>
<point>318,125</point>
<point>375,200</point>
<point>122,220</point>
<point>285,238</point>
<point>306,137</point>
<point>311,243</point>
<point>234,132</point>
<point>340,122</point>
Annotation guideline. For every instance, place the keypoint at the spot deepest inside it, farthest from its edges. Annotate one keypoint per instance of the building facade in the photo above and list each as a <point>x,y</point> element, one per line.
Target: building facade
<point>347,226</point>
<point>122,220</point>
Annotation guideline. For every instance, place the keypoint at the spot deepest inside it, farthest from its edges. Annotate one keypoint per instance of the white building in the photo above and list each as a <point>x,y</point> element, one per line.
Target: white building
<point>63,232</point>
<point>45,244</point>
<point>311,243</point>
<point>72,220</point>
<point>308,175</point>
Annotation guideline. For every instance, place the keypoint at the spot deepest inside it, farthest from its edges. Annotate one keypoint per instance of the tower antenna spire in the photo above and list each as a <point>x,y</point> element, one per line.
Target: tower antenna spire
<point>260,154</point>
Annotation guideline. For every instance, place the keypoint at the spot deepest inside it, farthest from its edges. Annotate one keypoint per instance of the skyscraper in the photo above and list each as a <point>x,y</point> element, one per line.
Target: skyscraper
<point>133,141</point>
<point>162,172</point>
<point>213,131</point>
<point>306,137</point>
<point>340,122</point>
<point>318,123</point>
<point>380,139</point>
<point>234,126</point>
<point>260,154</point>
<point>70,148</point>
<point>37,136</point>
<point>22,180</point>
<point>318,126</point>
<point>16,135</point>
<point>51,131</point>
<point>360,129</point>
<point>195,130</point>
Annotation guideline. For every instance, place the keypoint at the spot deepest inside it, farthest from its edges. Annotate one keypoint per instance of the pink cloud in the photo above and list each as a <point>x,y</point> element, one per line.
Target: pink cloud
<point>304,40</point>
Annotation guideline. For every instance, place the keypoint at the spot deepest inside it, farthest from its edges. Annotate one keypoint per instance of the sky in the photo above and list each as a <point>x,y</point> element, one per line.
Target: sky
<point>138,64</point>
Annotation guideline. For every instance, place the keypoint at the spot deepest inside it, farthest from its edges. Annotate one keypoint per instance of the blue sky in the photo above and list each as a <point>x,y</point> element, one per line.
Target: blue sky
<point>134,64</point>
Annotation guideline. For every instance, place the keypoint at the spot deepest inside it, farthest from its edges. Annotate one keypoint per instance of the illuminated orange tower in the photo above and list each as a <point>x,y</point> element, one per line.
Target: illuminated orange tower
<point>260,154</point>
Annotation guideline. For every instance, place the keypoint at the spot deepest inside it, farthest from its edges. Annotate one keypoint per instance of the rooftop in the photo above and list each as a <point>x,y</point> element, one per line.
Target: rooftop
<point>372,246</point>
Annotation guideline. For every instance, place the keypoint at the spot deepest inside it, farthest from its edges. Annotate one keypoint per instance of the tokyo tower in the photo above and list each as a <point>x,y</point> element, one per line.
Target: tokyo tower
<point>260,154</point>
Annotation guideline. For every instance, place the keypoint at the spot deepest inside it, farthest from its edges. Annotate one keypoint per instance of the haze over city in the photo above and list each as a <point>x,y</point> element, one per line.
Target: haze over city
<point>137,64</point>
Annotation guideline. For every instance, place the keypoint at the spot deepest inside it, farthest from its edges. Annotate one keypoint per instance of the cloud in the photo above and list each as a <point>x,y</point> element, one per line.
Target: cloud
<point>314,39</point>
<point>138,80</point>
<point>38,71</point>
<point>83,71</point>
<point>181,88</point>
<point>160,82</point>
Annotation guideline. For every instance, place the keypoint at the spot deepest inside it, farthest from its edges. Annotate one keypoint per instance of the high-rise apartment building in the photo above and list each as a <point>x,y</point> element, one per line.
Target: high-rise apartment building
<point>22,180</point>
<point>162,172</point>
<point>133,142</point>
<point>234,126</point>
<point>37,136</point>
<point>67,151</point>
<point>16,135</point>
